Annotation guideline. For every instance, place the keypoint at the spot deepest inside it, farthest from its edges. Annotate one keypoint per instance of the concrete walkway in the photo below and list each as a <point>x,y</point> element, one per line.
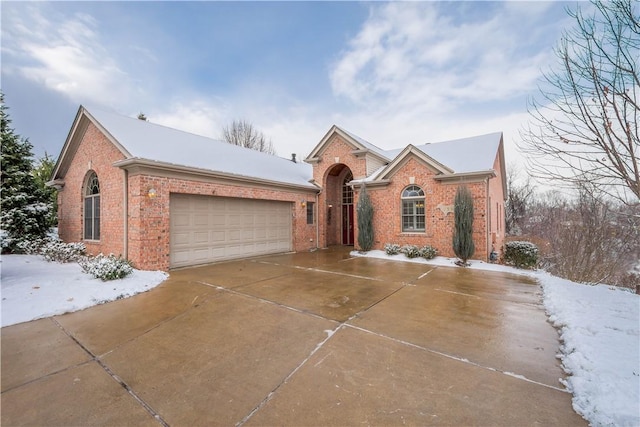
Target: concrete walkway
<point>298,339</point>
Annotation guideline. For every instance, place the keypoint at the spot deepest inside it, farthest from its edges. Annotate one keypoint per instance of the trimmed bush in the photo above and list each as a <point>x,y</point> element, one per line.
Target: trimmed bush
<point>428,252</point>
<point>411,251</point>
<point>59,251</point>
<point>463,245</point>
<point>521,254</point>
<point>365,220</point>
<point>392,248</point>
<point>106,267</point>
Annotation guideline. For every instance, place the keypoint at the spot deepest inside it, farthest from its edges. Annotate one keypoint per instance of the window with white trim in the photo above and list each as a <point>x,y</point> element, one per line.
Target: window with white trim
<point>92,208</point>
<point>413,209</point>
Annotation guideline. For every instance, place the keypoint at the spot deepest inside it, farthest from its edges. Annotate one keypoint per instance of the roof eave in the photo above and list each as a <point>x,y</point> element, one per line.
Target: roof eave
<point>466,176</point>
<point>369,184</point>
<point>135,162</point>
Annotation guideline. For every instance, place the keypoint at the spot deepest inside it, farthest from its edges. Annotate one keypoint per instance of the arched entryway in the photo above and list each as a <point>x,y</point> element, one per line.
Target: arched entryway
<point>339,206</point>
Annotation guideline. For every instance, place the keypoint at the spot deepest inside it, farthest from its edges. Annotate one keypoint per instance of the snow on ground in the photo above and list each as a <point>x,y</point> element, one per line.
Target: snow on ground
<point>599,329</point>
<point>33,288</point>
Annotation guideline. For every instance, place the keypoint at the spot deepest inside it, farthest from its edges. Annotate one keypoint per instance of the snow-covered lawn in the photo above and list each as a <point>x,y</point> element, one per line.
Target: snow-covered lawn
<point>599,328</point>
<point>33,288</point>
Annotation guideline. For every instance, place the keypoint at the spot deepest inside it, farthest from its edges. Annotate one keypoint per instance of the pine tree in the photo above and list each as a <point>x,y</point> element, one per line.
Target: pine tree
<point>463,245</point>
<point>24,208</point>
<point>42,172</point>
<point>365,220</point>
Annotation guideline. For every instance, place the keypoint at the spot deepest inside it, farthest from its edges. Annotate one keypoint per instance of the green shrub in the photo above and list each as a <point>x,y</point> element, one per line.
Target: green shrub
<point>106,267</point>
<point>521,254</point>
<point>463,245</point>
<point>365,220</point>
<point>392,248</point>
<point>428,252</point>
<point>59,251</point>
<point>411,251</point>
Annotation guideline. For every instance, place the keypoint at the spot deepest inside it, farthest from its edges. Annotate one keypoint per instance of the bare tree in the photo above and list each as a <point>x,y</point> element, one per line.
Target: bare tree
<point>587,239</point>
<point>519,198</point>
<point>242,133</point>
<point>584,128</point>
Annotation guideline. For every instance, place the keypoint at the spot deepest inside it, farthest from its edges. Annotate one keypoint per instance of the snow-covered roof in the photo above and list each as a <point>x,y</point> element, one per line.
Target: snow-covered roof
<point>148,141</point>
<point>473,154</point>
<point>366,144</point>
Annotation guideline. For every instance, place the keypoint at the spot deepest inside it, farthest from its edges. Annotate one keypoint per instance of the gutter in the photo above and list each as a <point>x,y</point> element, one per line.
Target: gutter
<point>132,163</point>
<point>488,220</point>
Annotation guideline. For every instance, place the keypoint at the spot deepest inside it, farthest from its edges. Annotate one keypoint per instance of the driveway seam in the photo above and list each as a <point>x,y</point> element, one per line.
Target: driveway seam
<point>234,291</point>
<point>191,307</point>
<point>270,395</point>
<point>116,378</point>
<point>529,304</point>
<point>459,359</point>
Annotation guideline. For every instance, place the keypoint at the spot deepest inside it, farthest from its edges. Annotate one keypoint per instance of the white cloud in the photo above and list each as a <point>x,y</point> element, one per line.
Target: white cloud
<point>436,55</point>
<point>65,54</point>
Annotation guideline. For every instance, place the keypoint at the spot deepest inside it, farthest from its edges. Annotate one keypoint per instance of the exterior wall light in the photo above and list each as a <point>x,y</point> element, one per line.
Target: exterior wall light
<point>152,193</point>
<point>303,203</point>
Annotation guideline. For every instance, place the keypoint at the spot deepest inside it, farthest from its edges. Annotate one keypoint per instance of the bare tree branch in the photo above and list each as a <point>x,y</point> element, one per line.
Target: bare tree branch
<point>584,127</point>
<point>244,134</point>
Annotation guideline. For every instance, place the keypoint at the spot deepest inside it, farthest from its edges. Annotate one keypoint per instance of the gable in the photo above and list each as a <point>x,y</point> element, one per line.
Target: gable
<point>75,137</point>
<point>358,145</point>
<point>412,152</point>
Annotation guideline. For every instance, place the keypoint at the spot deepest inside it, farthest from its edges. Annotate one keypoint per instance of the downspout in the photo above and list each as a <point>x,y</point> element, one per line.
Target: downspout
<point>487,226</point>
<point>125,221</point>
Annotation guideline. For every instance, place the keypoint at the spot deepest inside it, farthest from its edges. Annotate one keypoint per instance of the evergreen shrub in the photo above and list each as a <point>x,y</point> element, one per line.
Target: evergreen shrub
<point>392,248</point>
<point>411,251</point>
<point>58,251</point>
<point>428,252</point>
<point>106,267</point>
<point>521,254</point>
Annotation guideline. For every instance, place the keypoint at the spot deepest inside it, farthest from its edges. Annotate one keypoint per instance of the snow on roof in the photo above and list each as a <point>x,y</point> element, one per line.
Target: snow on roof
<point>366,143</point>
<point>149,141</point>
<point>473,154</point>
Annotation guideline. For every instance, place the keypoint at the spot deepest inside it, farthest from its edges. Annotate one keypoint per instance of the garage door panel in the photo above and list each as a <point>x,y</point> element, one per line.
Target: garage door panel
<point>217,236</point>
<point>208,228</point>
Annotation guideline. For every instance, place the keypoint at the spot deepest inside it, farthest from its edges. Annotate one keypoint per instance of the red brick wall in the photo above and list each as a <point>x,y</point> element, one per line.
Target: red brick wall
<point>497,198</point>
<point>438,225</point>
<point>387,203</point>
<point>96,153</point>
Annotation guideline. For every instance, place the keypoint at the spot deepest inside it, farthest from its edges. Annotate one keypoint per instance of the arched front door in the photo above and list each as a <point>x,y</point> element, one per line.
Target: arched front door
<point>347,210</point>
<point>338,221</point>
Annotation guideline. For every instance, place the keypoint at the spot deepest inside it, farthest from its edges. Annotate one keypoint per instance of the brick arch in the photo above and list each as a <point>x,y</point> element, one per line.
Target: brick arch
<point>337,217</point>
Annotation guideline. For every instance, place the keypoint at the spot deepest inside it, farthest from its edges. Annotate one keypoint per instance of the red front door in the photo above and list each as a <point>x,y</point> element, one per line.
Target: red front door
<point>347,224</point>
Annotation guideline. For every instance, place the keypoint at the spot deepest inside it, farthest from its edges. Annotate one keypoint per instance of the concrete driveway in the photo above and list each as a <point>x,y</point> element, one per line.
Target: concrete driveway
<point>298,339</point>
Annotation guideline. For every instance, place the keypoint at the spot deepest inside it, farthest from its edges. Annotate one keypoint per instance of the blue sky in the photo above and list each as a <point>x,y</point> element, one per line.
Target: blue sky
<point>392,73</point>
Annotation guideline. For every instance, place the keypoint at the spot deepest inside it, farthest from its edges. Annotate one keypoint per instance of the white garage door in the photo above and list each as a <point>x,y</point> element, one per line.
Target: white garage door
<point>206,228</point>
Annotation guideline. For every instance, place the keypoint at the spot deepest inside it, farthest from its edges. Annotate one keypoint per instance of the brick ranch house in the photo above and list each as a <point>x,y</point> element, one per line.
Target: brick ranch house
<point>165,199</point>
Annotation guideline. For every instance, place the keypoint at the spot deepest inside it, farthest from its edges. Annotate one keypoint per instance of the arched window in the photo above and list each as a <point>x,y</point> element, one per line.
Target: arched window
<point>92,208</point>
<point>413,209</point>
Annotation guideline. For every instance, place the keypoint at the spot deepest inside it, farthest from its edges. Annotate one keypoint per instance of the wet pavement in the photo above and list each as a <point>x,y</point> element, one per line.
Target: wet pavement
<point>297,339</point>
